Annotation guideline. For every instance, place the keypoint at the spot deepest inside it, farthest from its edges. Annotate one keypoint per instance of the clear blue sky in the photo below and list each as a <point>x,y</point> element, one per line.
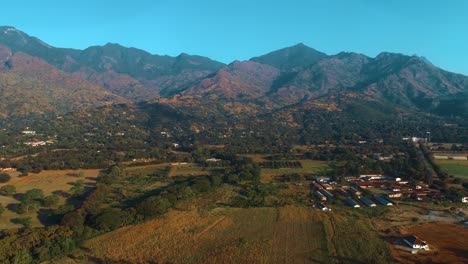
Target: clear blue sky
<point>227,30</point>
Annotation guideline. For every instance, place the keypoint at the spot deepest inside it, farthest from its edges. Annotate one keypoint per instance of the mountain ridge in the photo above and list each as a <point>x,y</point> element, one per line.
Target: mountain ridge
<point>270,82</point>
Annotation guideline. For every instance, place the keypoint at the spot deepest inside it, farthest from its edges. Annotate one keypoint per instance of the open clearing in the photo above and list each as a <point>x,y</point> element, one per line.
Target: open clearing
<point>457,168</point>
<point>189,169</point>
<point>50,182</point>
<point>257,157</point>
<point>232,235</point>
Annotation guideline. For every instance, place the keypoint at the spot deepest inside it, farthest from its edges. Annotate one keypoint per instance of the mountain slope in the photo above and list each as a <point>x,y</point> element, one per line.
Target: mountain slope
<point>31,87</point>
<point>130,72</point>
<point>237,80</point>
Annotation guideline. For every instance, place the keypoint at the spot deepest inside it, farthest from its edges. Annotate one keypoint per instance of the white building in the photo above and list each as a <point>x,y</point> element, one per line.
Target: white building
<point>416,243</point>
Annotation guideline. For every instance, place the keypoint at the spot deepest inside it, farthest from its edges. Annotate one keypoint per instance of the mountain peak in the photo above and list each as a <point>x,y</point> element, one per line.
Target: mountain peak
<point>291,58</point>
<point>301,45</point>
<point>7,29</point>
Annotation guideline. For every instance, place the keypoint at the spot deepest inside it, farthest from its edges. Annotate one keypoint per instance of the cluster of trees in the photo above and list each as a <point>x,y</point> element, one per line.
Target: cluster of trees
<point>33,199</point>
<point>36,245</point>
<point>256,195</point>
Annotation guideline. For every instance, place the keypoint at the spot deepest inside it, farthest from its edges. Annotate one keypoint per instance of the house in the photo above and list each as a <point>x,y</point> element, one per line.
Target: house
<point>459,158</point>
<point>390,200</point>
<point>362,184</point>
<point>372,176</point>
<point>352,203</point>
<point>367,201</point>
<point>212,160</point>
<point>323,207</point>
<point>323,179</point>
<point>383,158</point>
<point>415,242</point>
<point>395,195</point>
<point>382,200</point>
<point>326,193</point>
<point>326,186</point>
<point>29,132</point>
<point>438,157</point>
<point>353,191</point>
<point>35,143</point>
<point>418,140</point>
<point>321,196</point>
<point>318,186</point>
<point>419,194</point>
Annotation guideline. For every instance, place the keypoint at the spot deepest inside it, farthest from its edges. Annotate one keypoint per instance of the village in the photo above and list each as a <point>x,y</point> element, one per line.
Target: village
<point>381,190</point>
<point>373,190</point>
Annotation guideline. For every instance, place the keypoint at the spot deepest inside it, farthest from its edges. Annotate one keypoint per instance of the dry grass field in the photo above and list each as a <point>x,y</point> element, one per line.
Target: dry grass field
<point>448,243</point>
<point>231,235</point>
<point>257,235</point>
<point>50,182</point>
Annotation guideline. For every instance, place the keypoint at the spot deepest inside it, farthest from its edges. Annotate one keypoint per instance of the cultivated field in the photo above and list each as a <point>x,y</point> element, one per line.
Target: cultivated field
<point>457,168</point>
<point>50,182</point>
<point>230,235</point>
<point>308,167</point>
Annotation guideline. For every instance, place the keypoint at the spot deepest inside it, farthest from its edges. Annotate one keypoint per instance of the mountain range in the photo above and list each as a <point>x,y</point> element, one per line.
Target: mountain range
<point>38,79</point>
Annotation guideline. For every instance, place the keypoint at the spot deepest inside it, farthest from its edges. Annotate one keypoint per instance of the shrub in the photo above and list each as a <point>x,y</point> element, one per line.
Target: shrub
<point>108,220</point>
<point>50,201</point>
<point>153,206</point>
<point>4,177</point>
<point>33,194</point>
<point>7,190</point>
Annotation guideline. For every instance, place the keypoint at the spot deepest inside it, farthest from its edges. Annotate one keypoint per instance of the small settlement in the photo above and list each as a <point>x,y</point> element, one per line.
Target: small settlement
<point>378,189</point>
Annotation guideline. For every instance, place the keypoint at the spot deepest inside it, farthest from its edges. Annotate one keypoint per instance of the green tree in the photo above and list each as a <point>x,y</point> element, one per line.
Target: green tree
<point>26,206</point>
<point>4,177</point>
<point>75,221</point>
<point>187,193</point>
<point>108,220</point>
<point>78,188</point>
<point>7,190</point>
<point>51,200</point>
<point>153,206</point>
<point>118,171</point>
<point>25,221</point>
<point>33,194</point>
